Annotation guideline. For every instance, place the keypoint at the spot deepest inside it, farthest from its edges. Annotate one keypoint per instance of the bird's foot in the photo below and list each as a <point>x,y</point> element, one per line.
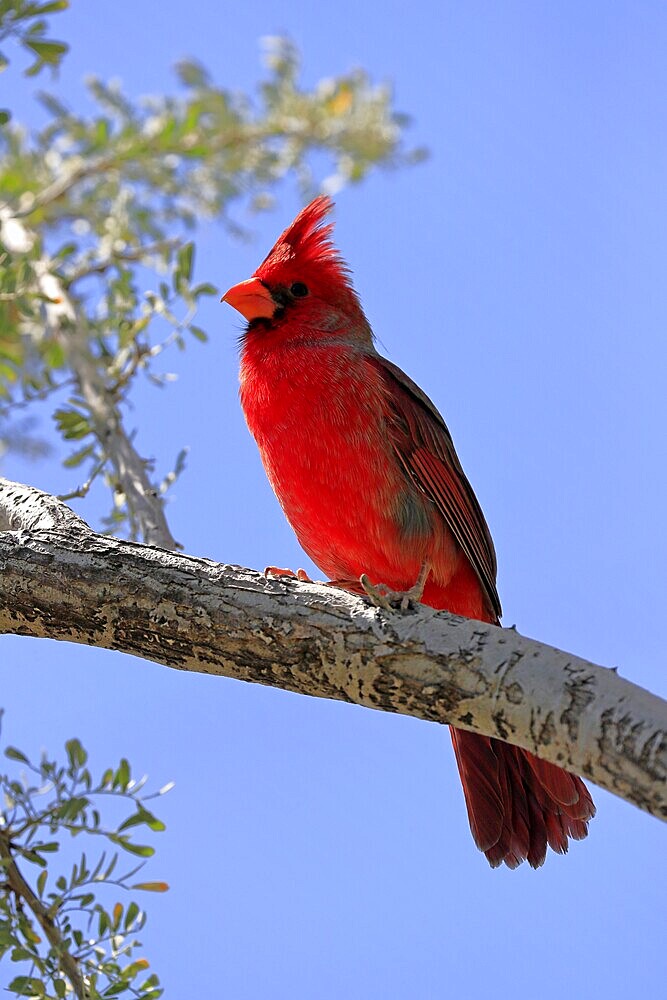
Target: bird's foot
<point>352,586</point>
<point>391,600</point>
<point>383,596</point>
<point>289,573</point>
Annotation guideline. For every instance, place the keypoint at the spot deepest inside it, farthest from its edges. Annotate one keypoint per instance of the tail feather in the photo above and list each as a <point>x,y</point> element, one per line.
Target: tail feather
<point>518,804</point>
<point>520,824</point>
<point>564,788</point>
<point>481,771</point>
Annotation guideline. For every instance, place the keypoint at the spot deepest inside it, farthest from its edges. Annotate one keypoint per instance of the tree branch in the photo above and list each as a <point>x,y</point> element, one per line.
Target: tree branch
<point>60,580</point>
<point>131,255</point>
<point>23,891</point>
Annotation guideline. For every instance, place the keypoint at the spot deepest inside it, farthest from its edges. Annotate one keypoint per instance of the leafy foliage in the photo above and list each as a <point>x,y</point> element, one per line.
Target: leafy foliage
<point>73,911</point>
<point>25,22</point>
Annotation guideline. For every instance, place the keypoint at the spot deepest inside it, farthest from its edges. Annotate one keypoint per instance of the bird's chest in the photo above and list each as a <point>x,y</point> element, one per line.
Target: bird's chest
<point>319,423</point>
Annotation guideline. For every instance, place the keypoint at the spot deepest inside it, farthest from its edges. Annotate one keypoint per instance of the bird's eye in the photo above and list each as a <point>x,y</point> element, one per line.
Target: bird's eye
<point>298,289</point>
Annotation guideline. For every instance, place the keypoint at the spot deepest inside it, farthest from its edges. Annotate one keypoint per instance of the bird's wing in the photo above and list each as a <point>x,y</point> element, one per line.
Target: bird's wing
<point>426,451</point>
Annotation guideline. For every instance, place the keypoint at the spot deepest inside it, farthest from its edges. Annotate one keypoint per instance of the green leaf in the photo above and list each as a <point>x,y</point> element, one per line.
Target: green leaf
<point>143,816</point>
<point>21,954</point>
<point>122,776</point>
<point>152,886</point>
<point>134,820</point>
<point>49,53</point>
<point>184,261</point>
<point>153,822</point>
<point>41,882</point>
<point>15,754</point>
<point>71,809</point>
<point>33,858</point>
<point>27,986</point>
<point>112,865</point>
<point>54,355</point>
<point>102,129</point>
<point>198,333</point>
<point>38,27</point>
<point>116,988</point>
<point>76,754</point>
<point>4,116</point>
<point>52,7</point>
<point>72,424</point>
<point>131,915</point>
<point>192,73</point>
<point>205,289</point>
<point>77,457</point>
<point>66,250</point>
<point>141,850</point>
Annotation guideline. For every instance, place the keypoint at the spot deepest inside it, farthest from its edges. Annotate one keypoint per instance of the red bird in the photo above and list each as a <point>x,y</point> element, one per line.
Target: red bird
<point>365,470</point>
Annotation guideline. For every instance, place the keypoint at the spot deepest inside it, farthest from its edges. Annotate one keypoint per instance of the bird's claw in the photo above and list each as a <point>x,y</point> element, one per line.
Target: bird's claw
<point>391,600</point>
<point>289,573</point>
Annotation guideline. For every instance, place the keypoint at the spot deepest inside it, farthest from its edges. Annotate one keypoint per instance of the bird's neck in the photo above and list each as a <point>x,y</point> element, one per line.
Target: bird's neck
<point>281,379</point>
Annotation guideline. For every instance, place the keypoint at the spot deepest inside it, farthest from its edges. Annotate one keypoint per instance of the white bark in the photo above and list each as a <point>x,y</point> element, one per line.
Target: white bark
<point>60,580</point>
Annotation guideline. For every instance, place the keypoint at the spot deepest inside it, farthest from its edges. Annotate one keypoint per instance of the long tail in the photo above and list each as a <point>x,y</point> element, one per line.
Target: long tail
<point>518,804</point>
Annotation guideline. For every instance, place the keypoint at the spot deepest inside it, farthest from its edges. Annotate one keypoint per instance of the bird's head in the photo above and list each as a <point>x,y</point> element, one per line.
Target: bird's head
<point>303,286</point>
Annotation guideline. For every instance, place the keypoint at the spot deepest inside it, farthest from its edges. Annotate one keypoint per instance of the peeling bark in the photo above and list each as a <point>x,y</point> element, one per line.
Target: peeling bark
<point>60,580</point>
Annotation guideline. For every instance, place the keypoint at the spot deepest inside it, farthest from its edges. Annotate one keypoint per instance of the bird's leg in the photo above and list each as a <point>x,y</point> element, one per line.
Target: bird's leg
<point>383,597</point>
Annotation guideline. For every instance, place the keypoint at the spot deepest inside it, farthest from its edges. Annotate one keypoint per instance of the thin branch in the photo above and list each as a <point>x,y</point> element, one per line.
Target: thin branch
<point>22,404</point>
<point>23,891</point>
<point>77,171</point>
<point>82,491</point>
<point>143,501</point>
<point>58,579</point>
<point>245,136</point>
<point>138,253</point>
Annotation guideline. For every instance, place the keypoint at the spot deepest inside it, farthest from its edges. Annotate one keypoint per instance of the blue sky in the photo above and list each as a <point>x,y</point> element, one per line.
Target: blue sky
<point>319,850</point>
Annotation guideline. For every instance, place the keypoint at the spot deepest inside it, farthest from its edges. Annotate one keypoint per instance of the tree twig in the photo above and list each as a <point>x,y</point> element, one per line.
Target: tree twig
<point>82,491</point>
<point>22,404</point>
<point>138,253</point>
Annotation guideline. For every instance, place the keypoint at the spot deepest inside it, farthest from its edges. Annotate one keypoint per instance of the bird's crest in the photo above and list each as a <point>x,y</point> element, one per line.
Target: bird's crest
<point>307,241</point>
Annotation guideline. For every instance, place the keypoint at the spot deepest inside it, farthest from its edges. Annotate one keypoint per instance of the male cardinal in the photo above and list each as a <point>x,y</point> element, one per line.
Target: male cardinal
<point>365,470</point>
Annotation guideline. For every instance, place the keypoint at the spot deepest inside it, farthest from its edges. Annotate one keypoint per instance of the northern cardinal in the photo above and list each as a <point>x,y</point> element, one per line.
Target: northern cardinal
<point>365,470</point>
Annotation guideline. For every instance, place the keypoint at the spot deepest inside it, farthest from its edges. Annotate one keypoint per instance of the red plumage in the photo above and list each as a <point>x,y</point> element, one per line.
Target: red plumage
<point>365,470</point>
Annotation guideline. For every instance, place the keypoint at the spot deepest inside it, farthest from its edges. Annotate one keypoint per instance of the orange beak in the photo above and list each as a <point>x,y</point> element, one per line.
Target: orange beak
<point>251,298</point>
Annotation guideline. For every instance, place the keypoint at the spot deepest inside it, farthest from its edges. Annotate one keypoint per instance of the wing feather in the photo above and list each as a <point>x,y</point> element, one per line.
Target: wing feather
<point>426,451</point>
